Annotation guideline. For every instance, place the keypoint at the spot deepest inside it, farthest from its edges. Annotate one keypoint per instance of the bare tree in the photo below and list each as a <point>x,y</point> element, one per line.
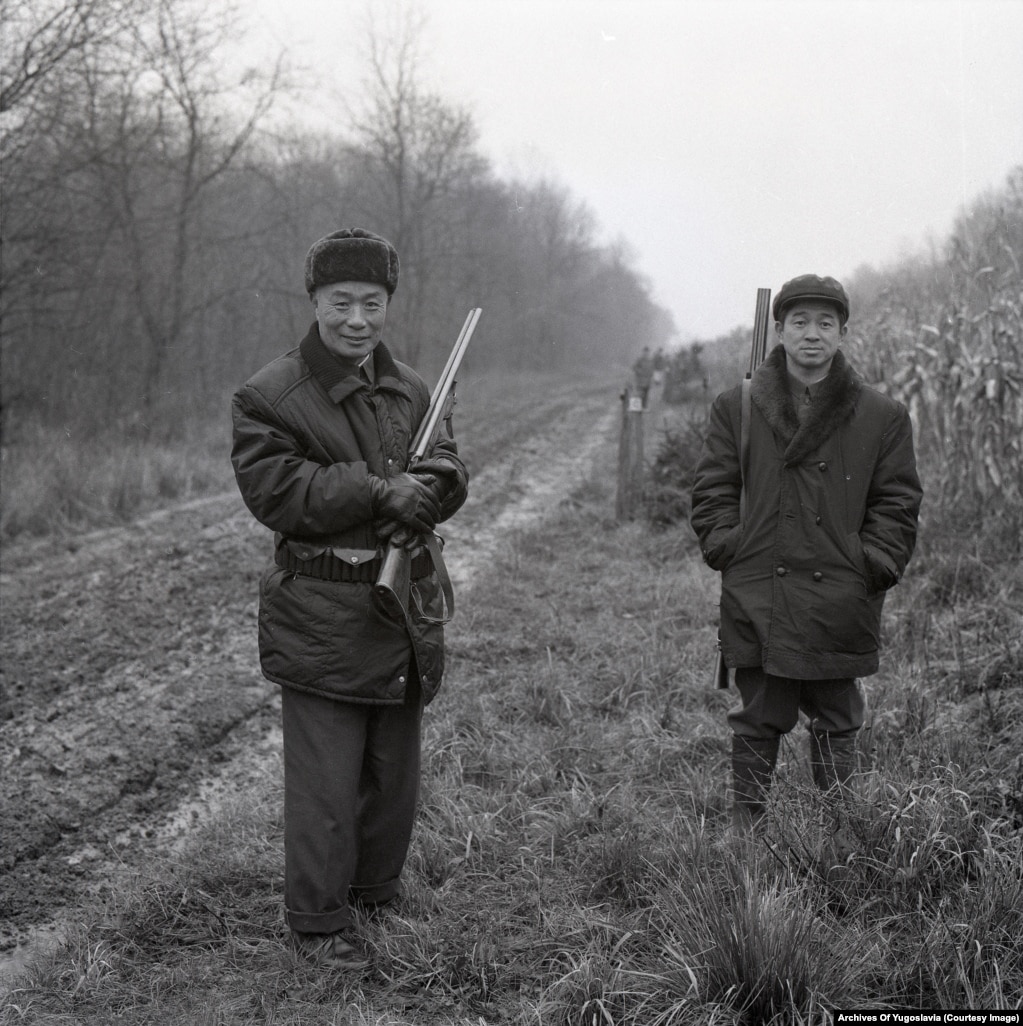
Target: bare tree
<point>120,148</point>
<point>43,46</point>
<point>419,153</point>
<point>191,141</point>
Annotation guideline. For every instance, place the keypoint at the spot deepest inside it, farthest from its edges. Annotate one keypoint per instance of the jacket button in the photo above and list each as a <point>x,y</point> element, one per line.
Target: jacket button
<point>816,520</point>
<point>401,680</point>
<point>822,466</point>
<point>818,576</point>
<point>781,571</point>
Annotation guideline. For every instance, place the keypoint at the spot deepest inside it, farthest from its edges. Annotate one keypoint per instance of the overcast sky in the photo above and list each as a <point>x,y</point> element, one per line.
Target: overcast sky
<point>732,143</point>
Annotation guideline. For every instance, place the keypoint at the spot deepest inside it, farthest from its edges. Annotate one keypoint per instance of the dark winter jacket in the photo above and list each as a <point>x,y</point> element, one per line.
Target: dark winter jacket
<point>308,436</point>
<point>830,523</point>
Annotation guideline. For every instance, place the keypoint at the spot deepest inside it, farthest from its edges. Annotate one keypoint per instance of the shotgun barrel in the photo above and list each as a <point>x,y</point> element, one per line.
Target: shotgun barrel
<point>444,387</point>
<point>761,319</point>
<point>393,583</point>
<point>757,354</point>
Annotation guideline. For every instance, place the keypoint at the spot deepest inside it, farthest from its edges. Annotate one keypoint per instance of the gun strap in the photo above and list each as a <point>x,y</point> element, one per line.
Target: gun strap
<point>745,416</point>
<point>440,568</point>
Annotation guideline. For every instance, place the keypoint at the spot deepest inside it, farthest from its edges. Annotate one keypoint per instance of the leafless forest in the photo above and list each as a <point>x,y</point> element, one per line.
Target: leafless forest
<point>156,215</point>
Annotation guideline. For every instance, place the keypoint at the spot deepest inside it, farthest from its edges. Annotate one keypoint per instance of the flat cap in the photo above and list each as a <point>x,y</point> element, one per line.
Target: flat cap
<point>351,254</point>
<point>810,286</point>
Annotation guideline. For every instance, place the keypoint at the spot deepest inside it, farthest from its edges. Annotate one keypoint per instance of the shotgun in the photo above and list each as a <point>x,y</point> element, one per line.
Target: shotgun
<point>393,585</point>
<point>758,351</point>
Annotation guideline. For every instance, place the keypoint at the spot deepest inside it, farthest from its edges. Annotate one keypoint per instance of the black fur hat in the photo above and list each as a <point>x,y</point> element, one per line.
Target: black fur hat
<point>351,254</point>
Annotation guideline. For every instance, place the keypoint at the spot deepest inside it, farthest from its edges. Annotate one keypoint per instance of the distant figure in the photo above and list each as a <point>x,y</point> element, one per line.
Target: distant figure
<point>831,504</point>
<point>321,442</point>
<point>643,372</point>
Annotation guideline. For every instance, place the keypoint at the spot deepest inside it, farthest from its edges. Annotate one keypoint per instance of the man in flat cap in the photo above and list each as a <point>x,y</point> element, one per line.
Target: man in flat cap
<point>321,443</point>
<point>828,525</point>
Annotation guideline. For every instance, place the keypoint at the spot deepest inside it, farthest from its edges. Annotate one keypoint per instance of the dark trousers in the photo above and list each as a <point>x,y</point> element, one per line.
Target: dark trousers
<point>771,705</point>
<point>351,780</point>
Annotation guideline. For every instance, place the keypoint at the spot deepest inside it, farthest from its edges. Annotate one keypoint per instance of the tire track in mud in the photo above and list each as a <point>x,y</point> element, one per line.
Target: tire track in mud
<point>134,707</point>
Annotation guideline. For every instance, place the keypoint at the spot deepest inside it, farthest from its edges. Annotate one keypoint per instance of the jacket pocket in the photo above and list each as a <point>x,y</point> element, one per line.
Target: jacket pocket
<point>877,575</point>
<point>881,572</point>
<point>720,553</point>
<point>327,637</point>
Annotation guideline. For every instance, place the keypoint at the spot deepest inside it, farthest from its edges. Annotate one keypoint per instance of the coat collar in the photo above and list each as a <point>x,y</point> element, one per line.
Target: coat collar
<point>832,406</point>
<point>339,378</point>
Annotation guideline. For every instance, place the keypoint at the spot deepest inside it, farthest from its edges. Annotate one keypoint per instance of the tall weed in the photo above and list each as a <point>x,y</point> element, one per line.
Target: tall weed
<point>54,482</point>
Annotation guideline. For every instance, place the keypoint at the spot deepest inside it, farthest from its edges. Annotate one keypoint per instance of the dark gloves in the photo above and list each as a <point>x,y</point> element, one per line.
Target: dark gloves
<point>390,532</point>
<point>404,501</point>
<point>437,474</point>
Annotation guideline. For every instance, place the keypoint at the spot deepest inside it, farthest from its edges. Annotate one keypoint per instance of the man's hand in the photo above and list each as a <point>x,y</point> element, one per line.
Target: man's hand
<point>405,500</point>
<point>390,532</point>
<point>437,474</point>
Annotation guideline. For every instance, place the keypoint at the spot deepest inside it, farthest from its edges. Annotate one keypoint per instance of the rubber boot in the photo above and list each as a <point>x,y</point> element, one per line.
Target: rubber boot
<point>832,759</point>
<point>753,761</point>
<point>833,764</point>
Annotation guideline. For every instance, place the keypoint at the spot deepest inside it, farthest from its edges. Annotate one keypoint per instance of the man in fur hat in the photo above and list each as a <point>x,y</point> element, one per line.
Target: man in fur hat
<point>830,516</point>
<point>321,442</point>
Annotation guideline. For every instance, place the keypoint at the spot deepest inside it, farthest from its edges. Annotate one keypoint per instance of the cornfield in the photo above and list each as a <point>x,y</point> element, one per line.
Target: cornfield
<point>945,337</point>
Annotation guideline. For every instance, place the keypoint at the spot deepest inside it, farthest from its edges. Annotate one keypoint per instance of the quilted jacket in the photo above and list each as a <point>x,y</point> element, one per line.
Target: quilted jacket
<point>308,436</point>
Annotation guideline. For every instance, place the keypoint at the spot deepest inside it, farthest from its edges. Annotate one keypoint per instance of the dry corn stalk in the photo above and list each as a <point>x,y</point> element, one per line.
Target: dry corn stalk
<point>949,344</point>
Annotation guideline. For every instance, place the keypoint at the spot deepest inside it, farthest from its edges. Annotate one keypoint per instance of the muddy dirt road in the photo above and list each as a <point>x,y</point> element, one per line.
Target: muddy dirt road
<point>131,686</point>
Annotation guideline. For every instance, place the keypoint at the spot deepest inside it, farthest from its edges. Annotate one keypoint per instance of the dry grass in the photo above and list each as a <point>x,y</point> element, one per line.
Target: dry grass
<point>54,482</point>
<point>571,863</point>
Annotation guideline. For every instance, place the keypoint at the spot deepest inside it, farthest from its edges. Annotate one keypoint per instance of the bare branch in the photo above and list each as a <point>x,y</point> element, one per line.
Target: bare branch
<point>40,37</point>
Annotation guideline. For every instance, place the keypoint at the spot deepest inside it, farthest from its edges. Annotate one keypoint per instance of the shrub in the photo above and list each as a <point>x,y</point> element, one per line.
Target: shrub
<point>671,475</point>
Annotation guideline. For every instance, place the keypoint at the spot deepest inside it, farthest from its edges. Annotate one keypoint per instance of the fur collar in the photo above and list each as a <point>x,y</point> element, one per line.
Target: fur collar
<point>832,407</point>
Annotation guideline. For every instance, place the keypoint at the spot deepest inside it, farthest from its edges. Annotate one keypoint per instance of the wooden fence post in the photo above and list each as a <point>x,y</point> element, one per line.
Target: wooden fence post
<point>630,457</point>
